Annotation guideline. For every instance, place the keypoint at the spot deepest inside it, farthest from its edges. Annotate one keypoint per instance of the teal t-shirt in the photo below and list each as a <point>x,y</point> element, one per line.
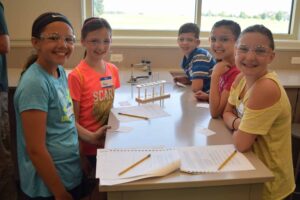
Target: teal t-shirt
<point>40,91</point>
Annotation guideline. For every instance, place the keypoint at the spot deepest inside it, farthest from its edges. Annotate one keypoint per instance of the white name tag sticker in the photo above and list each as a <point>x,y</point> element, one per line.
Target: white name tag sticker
<point>106,82</point>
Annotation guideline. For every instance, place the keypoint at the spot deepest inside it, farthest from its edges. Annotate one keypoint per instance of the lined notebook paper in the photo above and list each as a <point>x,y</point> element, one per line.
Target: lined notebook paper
<point>111,162</point>
<point>204,159</point>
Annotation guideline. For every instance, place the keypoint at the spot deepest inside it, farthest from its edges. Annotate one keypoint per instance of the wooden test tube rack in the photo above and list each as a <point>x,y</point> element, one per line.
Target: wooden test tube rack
<point>149,92</point>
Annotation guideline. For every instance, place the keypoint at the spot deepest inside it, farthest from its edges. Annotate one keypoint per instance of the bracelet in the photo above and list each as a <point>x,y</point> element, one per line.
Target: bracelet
<point>233,123</point>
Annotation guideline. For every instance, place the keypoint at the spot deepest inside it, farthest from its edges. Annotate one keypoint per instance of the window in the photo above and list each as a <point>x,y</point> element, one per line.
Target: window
<point>145,15</point>
<point>164,17</point>
<point>274,14</point>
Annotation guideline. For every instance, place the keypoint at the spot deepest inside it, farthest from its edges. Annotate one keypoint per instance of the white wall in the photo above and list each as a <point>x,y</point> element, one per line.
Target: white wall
<point>20,15</point>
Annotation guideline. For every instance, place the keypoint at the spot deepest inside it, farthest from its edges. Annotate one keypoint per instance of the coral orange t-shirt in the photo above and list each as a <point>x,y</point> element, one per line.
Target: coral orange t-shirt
<point>95,93</point>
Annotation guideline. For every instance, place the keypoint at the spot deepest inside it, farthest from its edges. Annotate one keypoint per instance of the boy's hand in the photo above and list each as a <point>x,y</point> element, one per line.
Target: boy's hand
<point>182,79</point>
<point>201,96</point>
<point>221,68</point>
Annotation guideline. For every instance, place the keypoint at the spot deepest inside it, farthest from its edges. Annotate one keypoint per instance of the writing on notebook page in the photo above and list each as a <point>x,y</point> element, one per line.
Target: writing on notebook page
<point>203,159</point>
<point>110,163</point>
<point>138,165</point>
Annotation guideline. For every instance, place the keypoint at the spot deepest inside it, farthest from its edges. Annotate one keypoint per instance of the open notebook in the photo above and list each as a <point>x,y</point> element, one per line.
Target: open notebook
<point>206,159</point>
<point>110,163</point>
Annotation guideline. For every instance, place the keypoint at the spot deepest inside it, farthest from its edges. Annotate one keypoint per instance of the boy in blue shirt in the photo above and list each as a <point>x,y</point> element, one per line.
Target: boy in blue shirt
<point>197,63</point>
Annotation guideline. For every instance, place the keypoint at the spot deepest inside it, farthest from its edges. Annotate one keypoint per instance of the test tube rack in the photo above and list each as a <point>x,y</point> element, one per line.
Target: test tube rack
<point>152,91</point>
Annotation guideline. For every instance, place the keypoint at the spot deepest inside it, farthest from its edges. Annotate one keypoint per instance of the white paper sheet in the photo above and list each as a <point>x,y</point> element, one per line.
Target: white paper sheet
<point>204,131</point>
<point>150,111</point>
<point>209,159</point>
<point>202,105</point>
<point>124,103</point>
<point>111,162</point>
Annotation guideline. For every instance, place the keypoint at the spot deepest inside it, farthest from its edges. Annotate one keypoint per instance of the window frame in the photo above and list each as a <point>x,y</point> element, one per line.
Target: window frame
<point>155,38</point>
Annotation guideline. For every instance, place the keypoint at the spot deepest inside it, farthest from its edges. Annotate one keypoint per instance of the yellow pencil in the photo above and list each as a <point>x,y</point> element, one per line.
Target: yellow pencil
<point>136,116</point>
<point>227,160</point>
<point>135,164</point>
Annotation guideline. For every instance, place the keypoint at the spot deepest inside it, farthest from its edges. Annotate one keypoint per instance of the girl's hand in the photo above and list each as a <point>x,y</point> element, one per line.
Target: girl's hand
<point>221,68</point>
<point>201,96</point>
<point>102,130</point>
<point>96,137</point>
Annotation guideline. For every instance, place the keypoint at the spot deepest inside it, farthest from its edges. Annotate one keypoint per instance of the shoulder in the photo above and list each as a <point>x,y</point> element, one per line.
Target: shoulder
<point>33,73</point>
<point>237,80</point>
<point>267,86</point>
<point>112,66</point>
<point>235,69</point>
<point>113,69</point>
<point>73,74</point>
<point>202,52</point>
<point>82,65</point>
<point>201,58</point>
<point>265,93</point>
<point>75,77</point>
<point>233,72</point>
<point>79,70</point>
<point>33,82</point>
<point>222,64</point>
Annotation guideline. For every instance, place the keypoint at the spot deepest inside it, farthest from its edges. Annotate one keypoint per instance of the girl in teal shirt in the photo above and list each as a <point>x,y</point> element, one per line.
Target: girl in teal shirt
<point>47,139</point>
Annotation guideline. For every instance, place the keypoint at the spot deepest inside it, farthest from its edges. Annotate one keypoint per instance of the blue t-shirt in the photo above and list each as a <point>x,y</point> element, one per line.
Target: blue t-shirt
<point>199,65</point>
<point>40,91</point>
